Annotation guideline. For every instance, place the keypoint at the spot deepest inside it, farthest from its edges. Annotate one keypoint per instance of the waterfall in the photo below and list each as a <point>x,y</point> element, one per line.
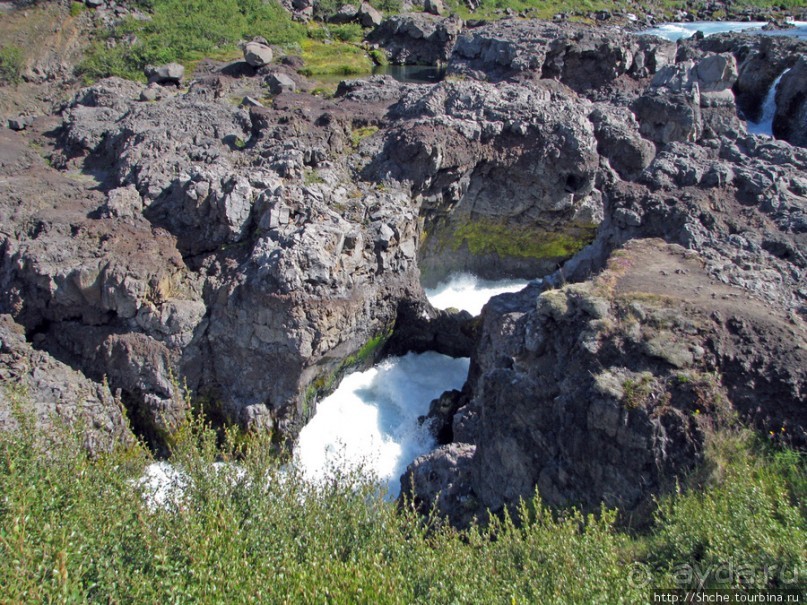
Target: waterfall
<point>371,420</point>
<point>765,124</point>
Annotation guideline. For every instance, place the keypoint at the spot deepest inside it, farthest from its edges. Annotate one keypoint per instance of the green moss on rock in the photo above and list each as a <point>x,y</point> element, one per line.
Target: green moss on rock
<point>488,237</point>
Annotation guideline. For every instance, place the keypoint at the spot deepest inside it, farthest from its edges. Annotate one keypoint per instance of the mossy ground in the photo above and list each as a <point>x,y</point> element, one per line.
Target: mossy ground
<point>516,241</point>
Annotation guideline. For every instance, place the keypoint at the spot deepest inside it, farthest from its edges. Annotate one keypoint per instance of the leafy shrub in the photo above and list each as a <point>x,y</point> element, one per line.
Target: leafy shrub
<point>75,529</point>
<point>749,526</point>
<point>349,32</point>
<point>11,64</point>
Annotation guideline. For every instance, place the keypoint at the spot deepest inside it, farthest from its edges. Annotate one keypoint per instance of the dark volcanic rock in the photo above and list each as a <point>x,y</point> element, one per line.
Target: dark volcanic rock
<point>48,392</point>
<point>417,39</point>
<point>581,57</point>
<point>605,391</point>
<point>490,162</point>
<point>790,119</point>
<point>218,262</point>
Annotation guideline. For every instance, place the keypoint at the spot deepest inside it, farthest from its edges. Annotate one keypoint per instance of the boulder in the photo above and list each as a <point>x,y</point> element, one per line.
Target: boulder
<point>435,7</point>
<point>347,13</point>
<point>665,117</point>
<point>20,122</point>
<point>279,83</point>
<point>619,140</point>
<point>368,16</point>
<point>169,74</point>
<point>257,54</point>
<point>152,92</point>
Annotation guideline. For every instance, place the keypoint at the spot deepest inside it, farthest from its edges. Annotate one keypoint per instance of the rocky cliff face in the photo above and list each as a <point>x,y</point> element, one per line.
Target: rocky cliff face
<point>254,248</point>
<point>605,390</point>
<point>226,248</point>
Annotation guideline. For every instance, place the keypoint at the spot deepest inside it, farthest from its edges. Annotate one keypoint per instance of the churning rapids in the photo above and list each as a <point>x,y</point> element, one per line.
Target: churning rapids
<point>371,421</point>
<point>369,424</point>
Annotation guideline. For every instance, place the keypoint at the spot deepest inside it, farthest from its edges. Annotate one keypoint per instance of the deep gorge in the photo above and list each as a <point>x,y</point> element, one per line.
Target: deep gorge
<point>257,252</point>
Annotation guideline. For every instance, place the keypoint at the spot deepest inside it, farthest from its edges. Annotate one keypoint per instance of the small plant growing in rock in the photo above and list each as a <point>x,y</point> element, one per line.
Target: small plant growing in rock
<point>359,134</point>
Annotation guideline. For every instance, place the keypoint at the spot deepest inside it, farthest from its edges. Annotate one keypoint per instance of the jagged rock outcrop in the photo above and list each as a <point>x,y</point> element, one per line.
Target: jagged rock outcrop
<point>605,390</point>
<point>761,60</point>
<point>790,119</point>
<point>39,389</point>
<point>416,39</point>
<point>494,165</point>
<point>583,58</point>
<point>253,252</point>
<point>266,264</point>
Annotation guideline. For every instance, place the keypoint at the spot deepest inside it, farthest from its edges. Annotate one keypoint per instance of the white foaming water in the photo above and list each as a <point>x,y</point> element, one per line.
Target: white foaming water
<point>371,421</point>
<point>162,485</point>
<point>469,293</point>
<point>765,124</point>
<point>677,31</point>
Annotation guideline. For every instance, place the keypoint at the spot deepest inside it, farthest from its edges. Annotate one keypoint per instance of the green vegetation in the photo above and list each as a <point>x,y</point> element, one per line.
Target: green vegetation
<point>75,529</point>
<point>752,515</point>
<point>76,8</point>
<point>488,237</point>
<point>186,31</point>
<point>11,64</point>
<point>359,134</point>
<point>326,382</point>
<point>340,58</point>
<point>637,391</point>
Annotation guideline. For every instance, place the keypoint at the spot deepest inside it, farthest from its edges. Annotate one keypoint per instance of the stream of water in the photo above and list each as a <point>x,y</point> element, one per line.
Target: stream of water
<point>371,421</point>
<point>676,31</point>
<point>765,124</point>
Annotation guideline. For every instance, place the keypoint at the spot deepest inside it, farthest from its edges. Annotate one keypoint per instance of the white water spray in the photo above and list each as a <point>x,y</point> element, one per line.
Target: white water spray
<point>371,420</point>
<point>370,423</point>
<point>469,293</point>
<point>765,124</point>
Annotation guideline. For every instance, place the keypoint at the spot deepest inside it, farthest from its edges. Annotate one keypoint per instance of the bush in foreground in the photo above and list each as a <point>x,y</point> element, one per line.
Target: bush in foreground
<point>74,529</point>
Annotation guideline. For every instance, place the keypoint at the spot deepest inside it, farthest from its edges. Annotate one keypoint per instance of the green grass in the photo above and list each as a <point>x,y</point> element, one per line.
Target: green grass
<point>334,58</point>
<point>186,31</point>
<point>357,135</point>
<point>75,530</point>
<point>76,8</point>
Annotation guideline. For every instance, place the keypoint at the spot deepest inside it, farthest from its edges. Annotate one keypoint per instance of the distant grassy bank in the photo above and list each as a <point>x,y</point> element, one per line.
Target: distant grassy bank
<point>76,530</point>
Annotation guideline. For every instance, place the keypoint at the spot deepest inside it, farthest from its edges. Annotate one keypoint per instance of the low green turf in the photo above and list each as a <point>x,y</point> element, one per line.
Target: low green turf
<point>186,31</point>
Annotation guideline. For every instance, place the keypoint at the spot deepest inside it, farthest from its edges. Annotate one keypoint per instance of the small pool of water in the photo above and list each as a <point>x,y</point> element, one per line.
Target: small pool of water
<point>414,74</point>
